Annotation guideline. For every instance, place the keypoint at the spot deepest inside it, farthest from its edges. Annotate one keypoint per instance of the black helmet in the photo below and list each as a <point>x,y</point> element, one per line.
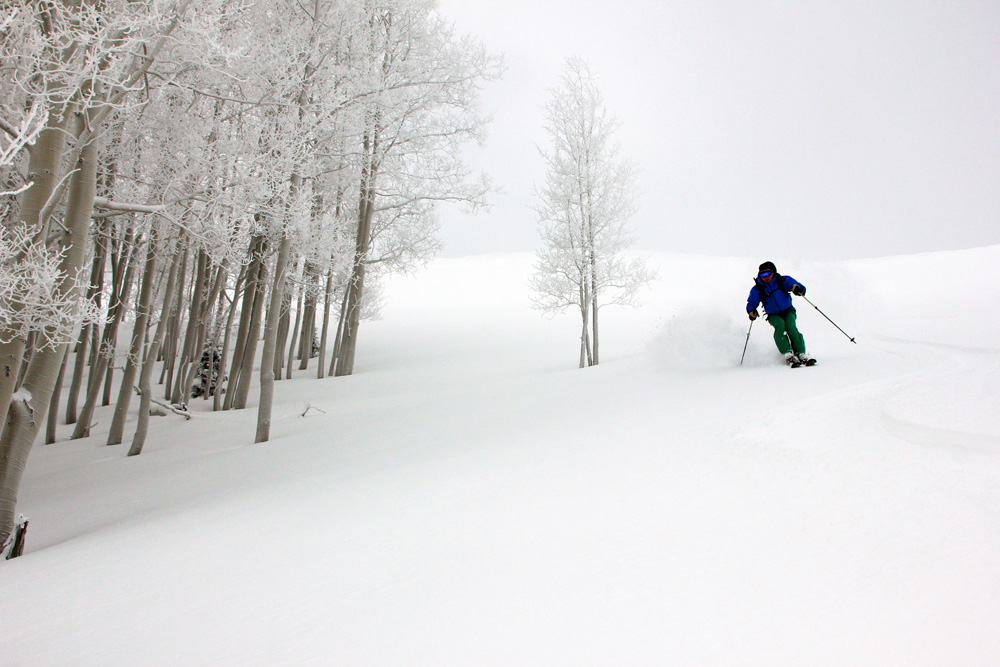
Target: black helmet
<point>767,266</point>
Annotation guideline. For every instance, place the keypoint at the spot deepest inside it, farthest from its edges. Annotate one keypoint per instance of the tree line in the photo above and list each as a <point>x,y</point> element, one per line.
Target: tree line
<point>220,175</point>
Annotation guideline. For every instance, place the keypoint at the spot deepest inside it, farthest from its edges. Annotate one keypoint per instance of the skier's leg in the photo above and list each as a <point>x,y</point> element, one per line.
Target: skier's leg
<point>780,339</point>
<point>798,342</point>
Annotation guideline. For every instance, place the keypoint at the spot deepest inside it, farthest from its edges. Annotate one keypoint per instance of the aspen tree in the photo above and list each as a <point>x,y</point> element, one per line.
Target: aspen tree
<point>583,208</point>
<point>27,413</point>
<point>146,376</point>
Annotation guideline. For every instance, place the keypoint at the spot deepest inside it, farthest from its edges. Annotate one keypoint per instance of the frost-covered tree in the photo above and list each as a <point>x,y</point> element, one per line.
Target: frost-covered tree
<point>583,208</point>
<point>418,86</point>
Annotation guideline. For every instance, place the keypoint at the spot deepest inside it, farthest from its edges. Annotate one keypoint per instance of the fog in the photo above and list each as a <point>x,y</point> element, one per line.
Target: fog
<point>821,130</point>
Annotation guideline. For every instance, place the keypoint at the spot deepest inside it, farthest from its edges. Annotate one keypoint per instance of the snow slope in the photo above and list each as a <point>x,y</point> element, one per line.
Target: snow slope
<point>470,497</point>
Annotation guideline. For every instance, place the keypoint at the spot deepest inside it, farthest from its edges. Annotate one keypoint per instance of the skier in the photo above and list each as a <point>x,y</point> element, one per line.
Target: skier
<point>772,289</point>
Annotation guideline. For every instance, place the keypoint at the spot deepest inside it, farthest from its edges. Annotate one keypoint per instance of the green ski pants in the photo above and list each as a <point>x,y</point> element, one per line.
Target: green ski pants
<point>786,334</point>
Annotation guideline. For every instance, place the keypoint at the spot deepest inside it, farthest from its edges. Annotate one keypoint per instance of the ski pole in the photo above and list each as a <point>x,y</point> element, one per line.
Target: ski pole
<point>746,343</point>
<point>828,319</point>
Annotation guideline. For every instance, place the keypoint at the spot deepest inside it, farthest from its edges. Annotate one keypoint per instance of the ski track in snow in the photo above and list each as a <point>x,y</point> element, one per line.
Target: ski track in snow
<point>470,497</point>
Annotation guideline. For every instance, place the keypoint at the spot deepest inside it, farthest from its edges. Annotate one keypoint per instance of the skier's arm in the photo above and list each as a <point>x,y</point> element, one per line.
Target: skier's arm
<point>753,300</point>
<point>793,286</point>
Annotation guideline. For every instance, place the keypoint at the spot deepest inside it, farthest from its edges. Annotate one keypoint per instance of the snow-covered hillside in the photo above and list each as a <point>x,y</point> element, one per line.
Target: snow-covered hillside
<point>470,497</point>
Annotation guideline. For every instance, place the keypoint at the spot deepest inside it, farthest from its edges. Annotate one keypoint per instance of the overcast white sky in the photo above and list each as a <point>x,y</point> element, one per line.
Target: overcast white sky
<point>806,129</point>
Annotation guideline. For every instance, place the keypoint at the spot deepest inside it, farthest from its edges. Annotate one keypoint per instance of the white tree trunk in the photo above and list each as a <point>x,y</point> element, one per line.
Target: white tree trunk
<point>146,376</point>
<point>253,336</point>
<point>135,348</point>
<point>270,343</point>
<point>356,284</point>
<point>53,420</point>
<point>323,339</point>
<point>27,413</point>
<point>44,167</point>
<point>189,354</point>
<point>173,334</point>
<point>293,331</point>
<point>255,253</point>
<point>219,387</point>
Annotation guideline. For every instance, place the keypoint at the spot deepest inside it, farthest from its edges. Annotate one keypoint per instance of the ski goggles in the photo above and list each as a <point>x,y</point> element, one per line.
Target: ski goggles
<point>766,275</point>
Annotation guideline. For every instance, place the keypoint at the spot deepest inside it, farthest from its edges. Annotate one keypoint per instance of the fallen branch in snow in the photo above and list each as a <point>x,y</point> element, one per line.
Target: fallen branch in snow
<point>311,407</point>
<point>176,411</point>
<point>183,413</point>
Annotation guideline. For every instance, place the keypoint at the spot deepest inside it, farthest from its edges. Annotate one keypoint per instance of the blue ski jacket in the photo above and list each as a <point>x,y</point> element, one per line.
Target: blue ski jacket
<point>775,295</point>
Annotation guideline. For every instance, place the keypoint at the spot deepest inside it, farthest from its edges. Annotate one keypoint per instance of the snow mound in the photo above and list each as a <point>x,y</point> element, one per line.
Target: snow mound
<point>699,337</point>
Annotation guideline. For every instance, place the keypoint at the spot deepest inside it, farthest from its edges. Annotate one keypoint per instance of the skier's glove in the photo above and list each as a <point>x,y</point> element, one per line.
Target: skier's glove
<point>797,290</point>
<point>753,314</point>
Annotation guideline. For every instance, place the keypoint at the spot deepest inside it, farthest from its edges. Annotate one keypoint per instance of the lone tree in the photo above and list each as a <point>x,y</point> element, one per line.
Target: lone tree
<point>583,208</point>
